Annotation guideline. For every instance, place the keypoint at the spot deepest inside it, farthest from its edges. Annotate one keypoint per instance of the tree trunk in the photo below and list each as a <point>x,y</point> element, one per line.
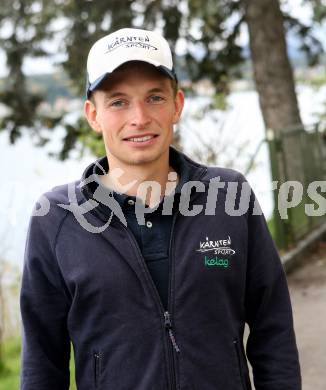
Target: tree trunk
<point>275,82</point>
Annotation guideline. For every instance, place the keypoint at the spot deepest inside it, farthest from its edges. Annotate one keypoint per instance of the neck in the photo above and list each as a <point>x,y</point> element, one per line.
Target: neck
<point>130,179</point>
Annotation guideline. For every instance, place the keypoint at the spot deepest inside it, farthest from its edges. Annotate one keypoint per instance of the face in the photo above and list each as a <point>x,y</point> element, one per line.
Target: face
<point>135,111</point>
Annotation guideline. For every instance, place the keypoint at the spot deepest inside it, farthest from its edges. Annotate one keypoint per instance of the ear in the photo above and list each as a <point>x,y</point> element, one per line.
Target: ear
<point>179,103</point>
<point>90,113</point>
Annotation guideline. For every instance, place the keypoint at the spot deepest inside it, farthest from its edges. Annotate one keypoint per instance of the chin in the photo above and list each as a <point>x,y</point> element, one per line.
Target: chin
<point>141,160</point>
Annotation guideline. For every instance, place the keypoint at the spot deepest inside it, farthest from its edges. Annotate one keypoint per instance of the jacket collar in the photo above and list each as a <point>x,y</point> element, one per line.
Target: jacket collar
<point>187,169</point>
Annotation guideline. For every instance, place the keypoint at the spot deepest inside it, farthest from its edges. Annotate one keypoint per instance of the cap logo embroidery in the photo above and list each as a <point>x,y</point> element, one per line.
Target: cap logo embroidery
<point>131,41</point>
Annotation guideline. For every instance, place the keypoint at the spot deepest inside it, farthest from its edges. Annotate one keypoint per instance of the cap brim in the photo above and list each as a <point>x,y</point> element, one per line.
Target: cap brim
<point>90,87</point>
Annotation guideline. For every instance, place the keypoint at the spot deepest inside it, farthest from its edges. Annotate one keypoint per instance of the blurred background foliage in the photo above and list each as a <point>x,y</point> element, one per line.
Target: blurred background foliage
<point>207,30</point>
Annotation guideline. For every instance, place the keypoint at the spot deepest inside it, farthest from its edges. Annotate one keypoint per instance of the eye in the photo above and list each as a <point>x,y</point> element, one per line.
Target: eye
<point>118,103</point>
<point>156,99</point>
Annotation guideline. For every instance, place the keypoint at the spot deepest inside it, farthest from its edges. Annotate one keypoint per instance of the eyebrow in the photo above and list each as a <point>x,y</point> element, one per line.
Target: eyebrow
<point>154,90</point>
<point>112,95</point>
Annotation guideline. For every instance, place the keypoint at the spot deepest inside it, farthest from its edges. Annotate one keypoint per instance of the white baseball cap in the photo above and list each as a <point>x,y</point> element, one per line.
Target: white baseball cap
<point>127,44</point>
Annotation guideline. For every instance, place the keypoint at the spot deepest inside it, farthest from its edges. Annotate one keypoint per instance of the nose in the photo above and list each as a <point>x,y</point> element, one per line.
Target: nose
<point>140,117</point>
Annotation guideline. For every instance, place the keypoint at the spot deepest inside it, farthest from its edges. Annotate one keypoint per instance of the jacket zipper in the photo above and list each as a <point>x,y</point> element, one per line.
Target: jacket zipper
<point>96,369</point>
<point>169,313</point>
<point>168,326</point>
<point>237,351</point>
<point>165,314</point>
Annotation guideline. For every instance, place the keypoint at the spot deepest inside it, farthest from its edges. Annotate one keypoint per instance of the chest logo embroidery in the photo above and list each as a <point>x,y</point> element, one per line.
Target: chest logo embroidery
<point>218,247</point>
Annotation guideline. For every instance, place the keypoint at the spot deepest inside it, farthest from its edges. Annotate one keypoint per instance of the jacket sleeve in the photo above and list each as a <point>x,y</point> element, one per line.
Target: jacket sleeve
<point>44,308</point>
<point>271,346</point>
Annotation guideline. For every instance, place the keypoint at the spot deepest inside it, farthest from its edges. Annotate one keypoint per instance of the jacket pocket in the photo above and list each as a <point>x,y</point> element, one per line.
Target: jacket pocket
<point>96,369</point>
<point>239,364</point>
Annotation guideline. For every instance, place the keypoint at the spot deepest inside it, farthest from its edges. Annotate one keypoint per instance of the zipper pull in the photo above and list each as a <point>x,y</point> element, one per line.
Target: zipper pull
<point>168,325</point>
<point>167,320</point>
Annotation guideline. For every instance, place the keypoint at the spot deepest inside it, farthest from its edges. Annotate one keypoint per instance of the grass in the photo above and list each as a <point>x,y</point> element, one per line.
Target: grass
<point>271,227</point>
<point>9,370</point>
<point>10,367</point>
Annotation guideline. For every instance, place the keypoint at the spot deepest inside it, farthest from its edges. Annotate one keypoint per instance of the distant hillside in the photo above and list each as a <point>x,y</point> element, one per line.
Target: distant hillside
<point>52,85</point>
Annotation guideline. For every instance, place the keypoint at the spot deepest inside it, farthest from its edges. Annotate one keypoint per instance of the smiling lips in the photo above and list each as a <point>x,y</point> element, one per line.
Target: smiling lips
<point>142,139</point>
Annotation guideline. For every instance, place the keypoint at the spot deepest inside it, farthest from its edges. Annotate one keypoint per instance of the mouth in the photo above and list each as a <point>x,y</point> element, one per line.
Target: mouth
<point>142,139</point>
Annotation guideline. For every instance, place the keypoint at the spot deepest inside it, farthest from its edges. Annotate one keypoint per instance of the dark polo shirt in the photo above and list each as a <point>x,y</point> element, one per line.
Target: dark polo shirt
<point>153,237</point>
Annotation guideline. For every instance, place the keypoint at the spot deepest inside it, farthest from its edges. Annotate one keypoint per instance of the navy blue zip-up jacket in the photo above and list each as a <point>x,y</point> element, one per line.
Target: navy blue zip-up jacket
<point>95,290</point>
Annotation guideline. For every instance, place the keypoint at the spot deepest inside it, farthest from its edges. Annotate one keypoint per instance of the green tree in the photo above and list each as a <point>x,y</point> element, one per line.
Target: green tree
<point>210,30</point>
<point>24,28</point>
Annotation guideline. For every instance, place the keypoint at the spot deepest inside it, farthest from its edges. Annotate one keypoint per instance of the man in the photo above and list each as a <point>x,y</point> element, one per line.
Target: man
<point>144,265</point>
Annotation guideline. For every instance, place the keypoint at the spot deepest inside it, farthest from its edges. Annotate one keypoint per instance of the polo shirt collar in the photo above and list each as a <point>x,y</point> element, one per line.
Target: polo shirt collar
<point>101,167</point>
